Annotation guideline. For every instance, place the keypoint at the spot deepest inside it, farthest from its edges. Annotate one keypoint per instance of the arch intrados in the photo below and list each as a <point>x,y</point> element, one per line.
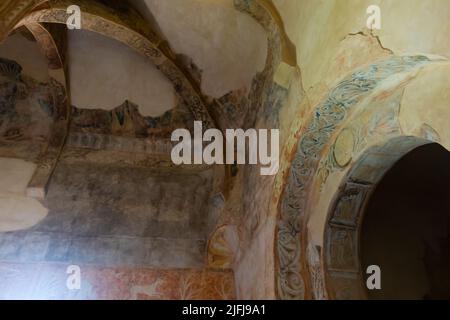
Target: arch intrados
<point>341,256</point>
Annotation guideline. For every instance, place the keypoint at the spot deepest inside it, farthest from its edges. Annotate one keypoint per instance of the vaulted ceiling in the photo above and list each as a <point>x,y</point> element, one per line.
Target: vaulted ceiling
<point>205,57</point>
<point>100,103</point>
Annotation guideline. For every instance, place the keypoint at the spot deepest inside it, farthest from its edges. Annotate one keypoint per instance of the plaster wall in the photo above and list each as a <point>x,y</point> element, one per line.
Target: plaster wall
<point>17,211</point>
<point>228,46</point>
<point>104,73</point>
<point>408,215</point>
<point>332,41</point>
<point>116,216</point>
<point>429,105</point>
<point>329,47</point>
<point>319,27</point>
<point>27,53</point>
<point>47,281</point>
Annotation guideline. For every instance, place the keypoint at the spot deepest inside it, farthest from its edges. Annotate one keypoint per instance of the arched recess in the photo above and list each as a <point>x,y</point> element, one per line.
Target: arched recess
<point>12,11</point>
<point>367,106</point>
<point>404,113</point>
<point>129,28</point>
<point>52,42</point>
<point>280,50</point>
<point>342,262</point>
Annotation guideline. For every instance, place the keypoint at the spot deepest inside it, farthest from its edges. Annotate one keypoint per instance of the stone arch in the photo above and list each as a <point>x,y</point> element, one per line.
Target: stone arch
<point>406,112</point>
<point>343,274</point>
<point>370,98</point>
<point>131,29</point>
<point>266,13</point>
<point>281,51</point>
<point>52,42</point>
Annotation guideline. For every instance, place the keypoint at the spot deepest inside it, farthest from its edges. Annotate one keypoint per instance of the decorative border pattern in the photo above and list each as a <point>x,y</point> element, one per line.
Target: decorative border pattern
<point>325,120</point>
<point>130,29</point>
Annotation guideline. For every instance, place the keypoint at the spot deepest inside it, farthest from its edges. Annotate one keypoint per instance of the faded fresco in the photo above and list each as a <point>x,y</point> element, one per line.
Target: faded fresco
<point>349,103</point>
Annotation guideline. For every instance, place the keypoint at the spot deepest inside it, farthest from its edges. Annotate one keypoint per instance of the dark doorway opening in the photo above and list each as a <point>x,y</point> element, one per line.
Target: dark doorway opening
<point>406,227</point>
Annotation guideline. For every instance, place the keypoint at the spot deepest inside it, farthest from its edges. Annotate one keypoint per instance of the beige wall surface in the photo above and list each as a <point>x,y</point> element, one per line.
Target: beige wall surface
<point>228,46</point>
<point>104,73</point>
